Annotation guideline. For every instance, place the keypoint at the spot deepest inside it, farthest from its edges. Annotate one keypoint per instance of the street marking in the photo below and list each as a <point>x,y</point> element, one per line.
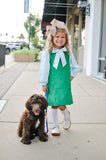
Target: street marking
<point>2,104</point>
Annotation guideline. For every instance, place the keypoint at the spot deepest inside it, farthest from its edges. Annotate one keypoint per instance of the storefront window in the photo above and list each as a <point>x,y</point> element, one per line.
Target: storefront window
<point>79,33</point>
<point>103,40</point>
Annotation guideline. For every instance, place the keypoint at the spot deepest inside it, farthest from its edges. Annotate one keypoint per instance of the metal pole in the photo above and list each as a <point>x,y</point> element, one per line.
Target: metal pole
<point>29,21</point>
<point>29,28</point>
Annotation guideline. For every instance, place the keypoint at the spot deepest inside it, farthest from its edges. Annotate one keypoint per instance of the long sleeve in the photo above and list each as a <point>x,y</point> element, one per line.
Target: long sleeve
<point>44,69</point>
<point>74,68</point>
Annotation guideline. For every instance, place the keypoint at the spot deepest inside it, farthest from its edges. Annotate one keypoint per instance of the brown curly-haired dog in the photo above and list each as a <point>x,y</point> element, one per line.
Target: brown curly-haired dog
<point>32,122</point>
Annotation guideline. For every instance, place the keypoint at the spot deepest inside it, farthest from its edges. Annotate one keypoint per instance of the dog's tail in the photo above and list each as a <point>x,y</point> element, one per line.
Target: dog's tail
<point>20,129</point>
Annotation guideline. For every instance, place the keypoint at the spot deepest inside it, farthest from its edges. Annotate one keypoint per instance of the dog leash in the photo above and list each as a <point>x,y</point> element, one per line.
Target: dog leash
<point>46,115</point>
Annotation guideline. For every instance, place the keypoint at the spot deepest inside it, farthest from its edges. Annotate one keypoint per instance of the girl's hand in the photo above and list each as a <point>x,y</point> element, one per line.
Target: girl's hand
<point>44,88</point>
<point>72,78</point>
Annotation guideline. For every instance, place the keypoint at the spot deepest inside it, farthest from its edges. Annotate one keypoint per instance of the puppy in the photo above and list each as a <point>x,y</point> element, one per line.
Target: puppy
<point>32,122</point>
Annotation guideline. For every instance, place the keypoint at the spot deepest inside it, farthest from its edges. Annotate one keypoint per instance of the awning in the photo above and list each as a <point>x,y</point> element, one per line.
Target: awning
<point>55,9</point>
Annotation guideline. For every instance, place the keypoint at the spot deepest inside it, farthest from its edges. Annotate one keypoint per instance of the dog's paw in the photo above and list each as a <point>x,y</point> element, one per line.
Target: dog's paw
<point>32,136</point>
<point>45,134</point>
<point>25,141</point>
<point>43,138</point>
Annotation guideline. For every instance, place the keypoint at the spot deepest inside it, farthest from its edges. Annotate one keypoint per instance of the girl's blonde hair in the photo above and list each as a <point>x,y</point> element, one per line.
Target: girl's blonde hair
<point>49,42</point>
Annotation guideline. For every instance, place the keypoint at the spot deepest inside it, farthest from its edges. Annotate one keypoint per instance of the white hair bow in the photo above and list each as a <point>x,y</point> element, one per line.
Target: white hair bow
<point>53,27</point>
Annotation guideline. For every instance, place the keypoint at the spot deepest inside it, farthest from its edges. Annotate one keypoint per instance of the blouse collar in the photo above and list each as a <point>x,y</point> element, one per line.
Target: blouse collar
<point>59,55</point>
<point>55,50</point>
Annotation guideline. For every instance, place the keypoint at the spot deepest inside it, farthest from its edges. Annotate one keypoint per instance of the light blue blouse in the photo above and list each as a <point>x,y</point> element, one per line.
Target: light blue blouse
<point>45,67</point>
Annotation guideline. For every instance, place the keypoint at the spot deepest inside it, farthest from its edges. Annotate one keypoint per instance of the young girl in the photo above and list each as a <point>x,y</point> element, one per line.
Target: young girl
<point>56,68</point>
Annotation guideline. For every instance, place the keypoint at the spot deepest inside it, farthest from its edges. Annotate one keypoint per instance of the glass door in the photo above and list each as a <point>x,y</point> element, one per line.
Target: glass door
<point>103,39</point>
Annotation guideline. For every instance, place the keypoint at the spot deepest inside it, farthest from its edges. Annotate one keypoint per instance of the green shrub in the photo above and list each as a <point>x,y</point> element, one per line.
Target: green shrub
<point>27,51</point>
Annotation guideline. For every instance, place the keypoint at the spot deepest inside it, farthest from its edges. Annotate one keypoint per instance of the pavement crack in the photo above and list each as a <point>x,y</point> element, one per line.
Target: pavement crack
<point>85,91</point>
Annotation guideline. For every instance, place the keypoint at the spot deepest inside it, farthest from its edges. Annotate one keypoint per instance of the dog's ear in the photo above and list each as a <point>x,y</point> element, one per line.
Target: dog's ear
<point>28,104</point>
<point>44,102</point>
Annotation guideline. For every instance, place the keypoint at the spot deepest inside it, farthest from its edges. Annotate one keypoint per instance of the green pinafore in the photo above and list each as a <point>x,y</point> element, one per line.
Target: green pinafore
<point>59,83</point>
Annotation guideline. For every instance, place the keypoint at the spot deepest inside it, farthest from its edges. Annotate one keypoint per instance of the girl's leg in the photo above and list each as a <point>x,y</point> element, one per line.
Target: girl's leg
<point>64,111</point>
<point>66,114</point>
<point>54,113</point>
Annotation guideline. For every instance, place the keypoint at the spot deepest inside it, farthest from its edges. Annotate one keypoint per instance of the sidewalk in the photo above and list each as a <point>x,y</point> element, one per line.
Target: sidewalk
<point>86,140</point>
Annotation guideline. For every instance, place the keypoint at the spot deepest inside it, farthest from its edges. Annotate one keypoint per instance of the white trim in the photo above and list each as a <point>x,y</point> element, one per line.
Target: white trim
<point>93,33</point>
<point>100,78</point>
<point>101,58</point>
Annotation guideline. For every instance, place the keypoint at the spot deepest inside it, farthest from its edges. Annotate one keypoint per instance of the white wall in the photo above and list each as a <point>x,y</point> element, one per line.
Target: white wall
<point>92,42</point>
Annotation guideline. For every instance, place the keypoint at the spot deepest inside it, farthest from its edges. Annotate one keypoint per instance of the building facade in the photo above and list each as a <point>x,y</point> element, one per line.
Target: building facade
<point>95,39</point>
<point>87,32</point>
<point>90,34</point>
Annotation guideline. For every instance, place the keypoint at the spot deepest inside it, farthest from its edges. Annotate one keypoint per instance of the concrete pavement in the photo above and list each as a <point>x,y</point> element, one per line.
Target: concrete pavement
<point>86,140</point>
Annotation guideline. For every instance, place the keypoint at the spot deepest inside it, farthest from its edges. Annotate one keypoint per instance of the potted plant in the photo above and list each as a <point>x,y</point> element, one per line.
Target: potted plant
<point>26,55</point>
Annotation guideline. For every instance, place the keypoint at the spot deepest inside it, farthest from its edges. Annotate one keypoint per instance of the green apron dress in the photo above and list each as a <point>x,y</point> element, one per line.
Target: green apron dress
<point>59,83</point>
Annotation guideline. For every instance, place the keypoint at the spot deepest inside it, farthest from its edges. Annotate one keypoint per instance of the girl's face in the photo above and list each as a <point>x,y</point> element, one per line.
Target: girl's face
<point>59,39</point>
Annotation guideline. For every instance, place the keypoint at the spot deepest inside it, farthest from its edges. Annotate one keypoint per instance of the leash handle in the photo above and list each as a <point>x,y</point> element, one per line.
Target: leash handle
<point>47,95</point>
<point>46,115</point>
